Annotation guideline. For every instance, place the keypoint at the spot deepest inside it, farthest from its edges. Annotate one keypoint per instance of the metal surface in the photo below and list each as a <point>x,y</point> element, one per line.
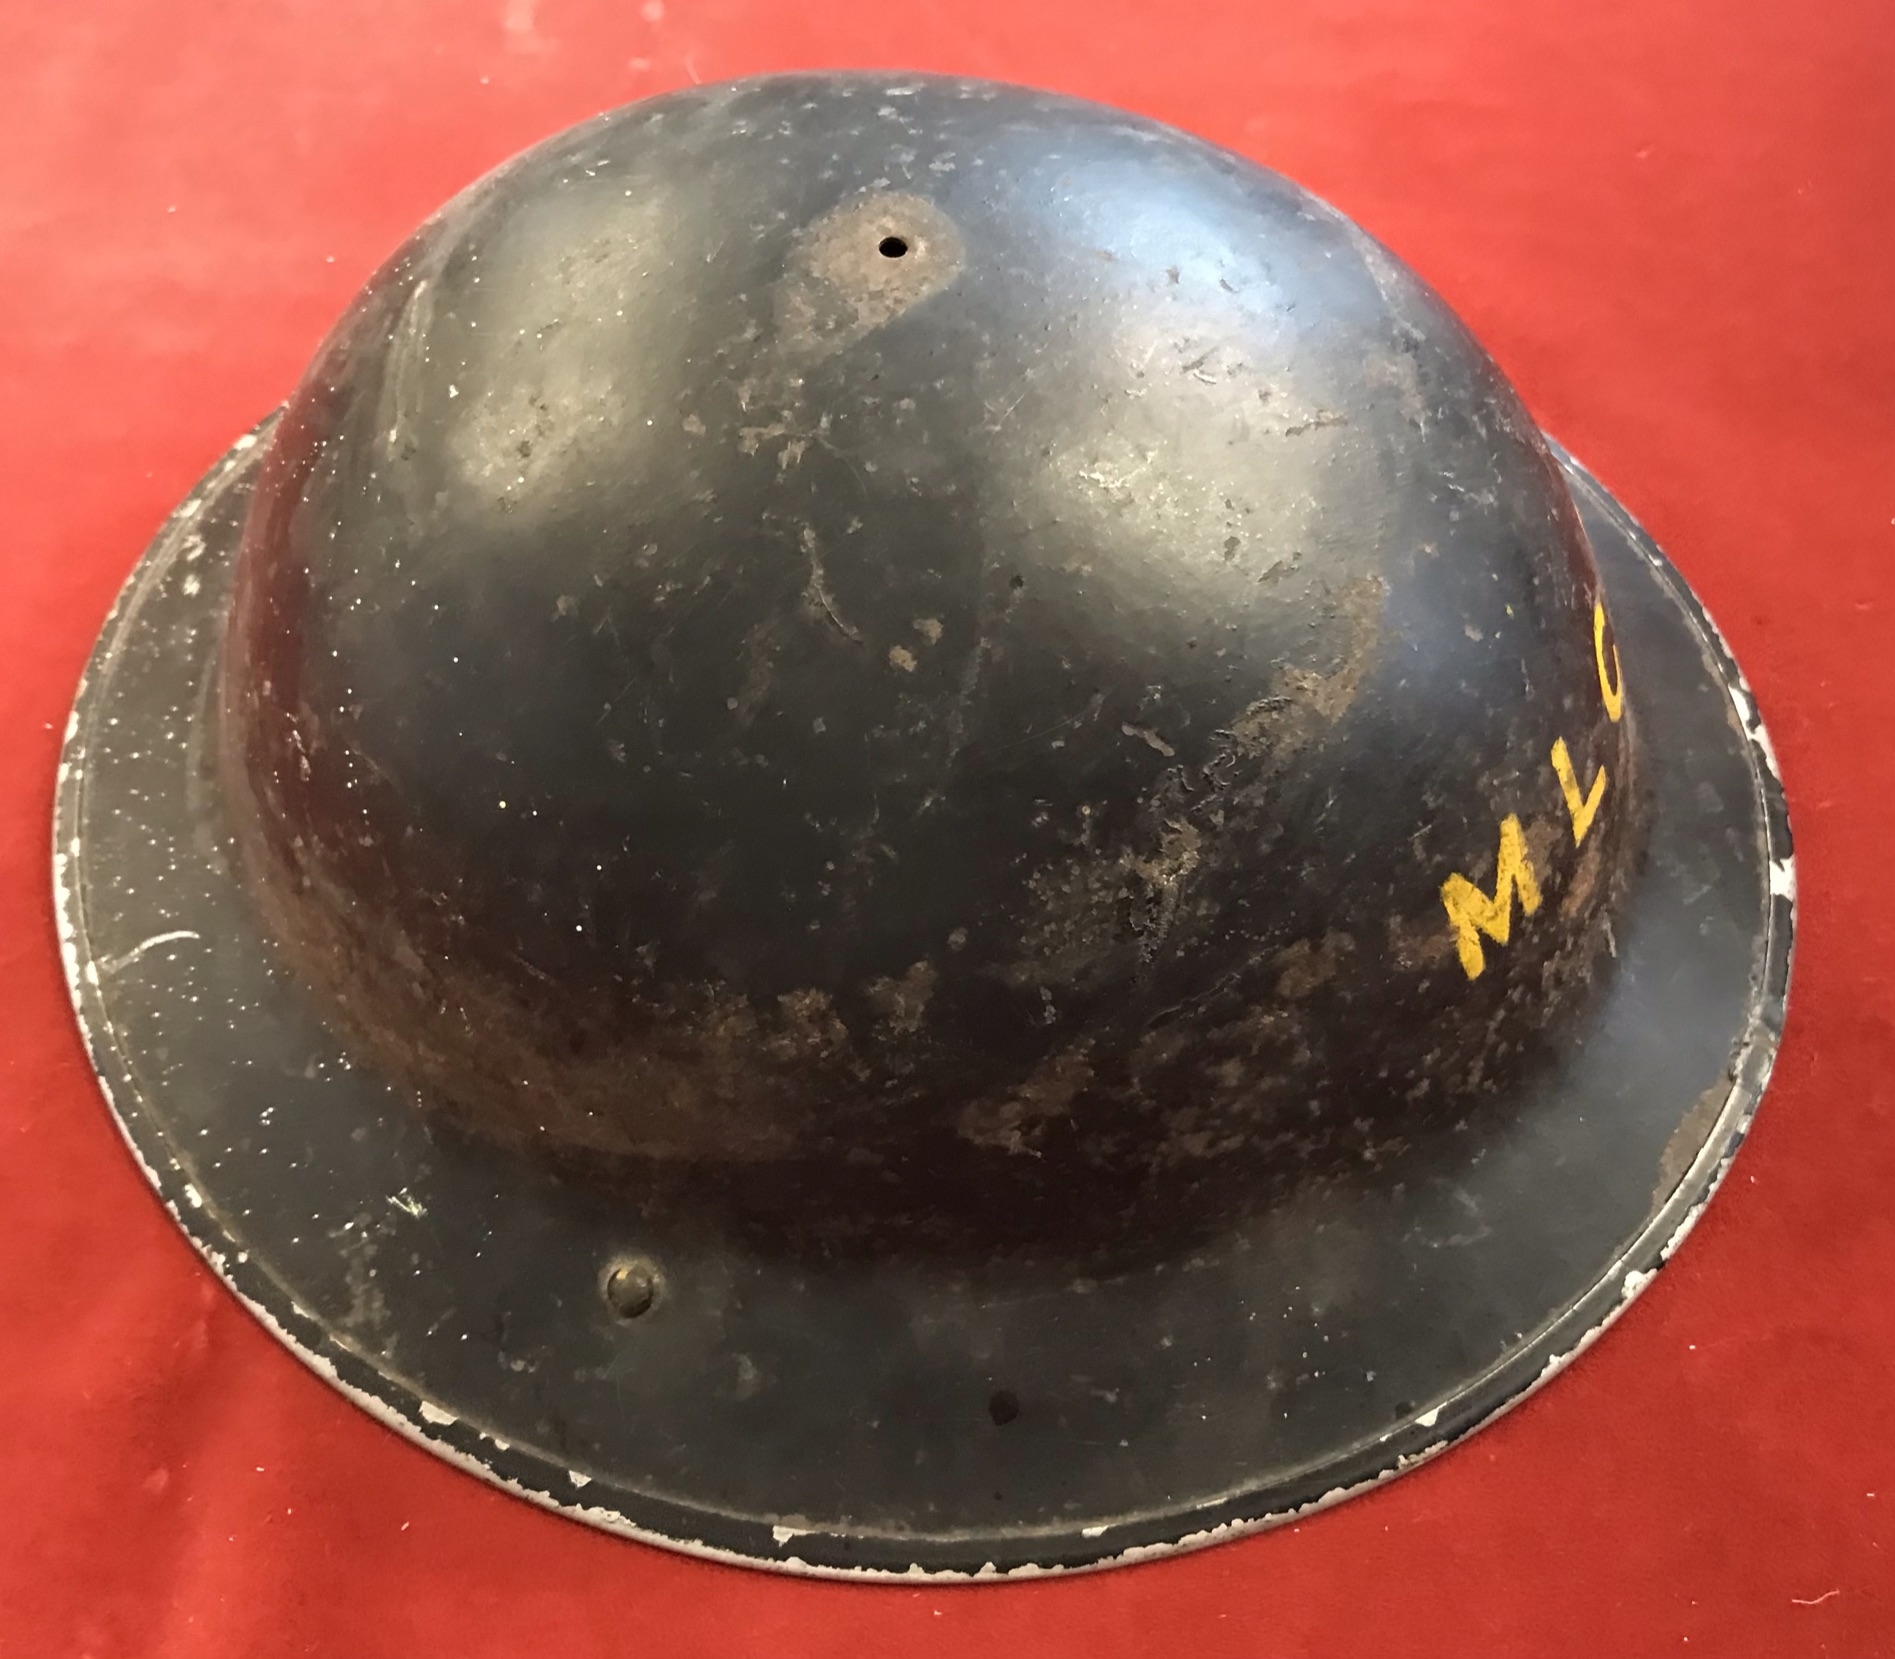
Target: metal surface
<point>918,692</point>
<point>1101,648</point>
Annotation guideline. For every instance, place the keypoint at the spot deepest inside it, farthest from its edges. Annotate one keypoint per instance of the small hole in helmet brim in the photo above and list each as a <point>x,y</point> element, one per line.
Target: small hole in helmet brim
<point>631,1287</point>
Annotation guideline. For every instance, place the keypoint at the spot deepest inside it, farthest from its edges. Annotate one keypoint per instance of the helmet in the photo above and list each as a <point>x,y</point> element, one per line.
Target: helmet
<point>902,825</point>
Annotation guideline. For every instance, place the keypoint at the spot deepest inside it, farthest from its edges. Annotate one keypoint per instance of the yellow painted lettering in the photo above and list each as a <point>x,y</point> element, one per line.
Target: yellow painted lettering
<point>1611,682</point>
<point>1473,913</point>
<point>1582,807</point>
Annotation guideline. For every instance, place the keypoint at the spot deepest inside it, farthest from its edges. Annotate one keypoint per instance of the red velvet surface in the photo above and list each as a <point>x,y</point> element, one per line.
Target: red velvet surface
<point>1669,219</point>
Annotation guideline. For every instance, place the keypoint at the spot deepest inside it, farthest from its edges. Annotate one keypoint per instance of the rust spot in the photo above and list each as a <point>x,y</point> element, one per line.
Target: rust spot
<point>1543,836</point>
<point>1420,946</point>
<point>1308,964</point>
<point>1158,1049</point>
<point>1687,1140</point>
<point>1163,877</point>
<point>903,1002</point>
<point>1585,881</point>
<point>1305,700</point>
<point>1073,935</point>
<point>810,1027</point>
<point>1329,696</point>
<point>1017,1122</point>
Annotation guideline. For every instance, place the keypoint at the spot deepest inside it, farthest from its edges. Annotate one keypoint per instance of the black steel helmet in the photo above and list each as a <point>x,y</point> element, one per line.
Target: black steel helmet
<point>904,826</point>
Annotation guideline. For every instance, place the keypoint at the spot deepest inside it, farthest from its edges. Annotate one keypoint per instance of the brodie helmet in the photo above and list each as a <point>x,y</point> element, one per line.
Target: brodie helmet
<point>907,827</point>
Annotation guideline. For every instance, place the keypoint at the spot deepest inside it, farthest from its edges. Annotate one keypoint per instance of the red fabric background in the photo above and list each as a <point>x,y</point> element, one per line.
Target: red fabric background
<point>1670,220</point>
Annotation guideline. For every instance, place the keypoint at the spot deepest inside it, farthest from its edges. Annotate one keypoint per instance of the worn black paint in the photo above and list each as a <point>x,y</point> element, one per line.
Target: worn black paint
<point>946,752</point>
<point>875,1339</point>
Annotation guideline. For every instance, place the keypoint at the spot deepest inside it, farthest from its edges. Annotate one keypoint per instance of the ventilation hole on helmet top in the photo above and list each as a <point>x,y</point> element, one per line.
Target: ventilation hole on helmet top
<point>893,247</point>
<point>1004,1407</point>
